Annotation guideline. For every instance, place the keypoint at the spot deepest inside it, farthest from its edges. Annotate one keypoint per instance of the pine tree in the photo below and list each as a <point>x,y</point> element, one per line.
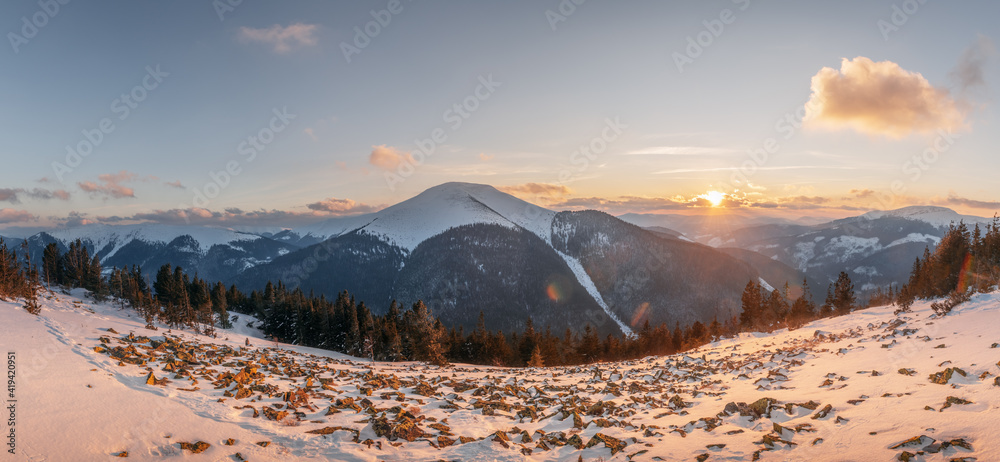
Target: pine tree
<point>536,357</point>
<point>32,285</point>
<point>427,338</point>
<point>752,302</point>
<point>52,265</point>
<point>803,308</point>
<point>844,299</point>
<point>220,305</point>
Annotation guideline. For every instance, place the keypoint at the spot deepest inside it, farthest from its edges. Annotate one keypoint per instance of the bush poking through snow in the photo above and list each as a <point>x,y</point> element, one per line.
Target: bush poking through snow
<point>956,298</point>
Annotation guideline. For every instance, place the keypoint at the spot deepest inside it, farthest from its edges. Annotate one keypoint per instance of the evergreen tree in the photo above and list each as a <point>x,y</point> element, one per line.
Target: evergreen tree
<point>752,304</point>
<point>803,309</point>
<point>428,346</point>
<point>844,299</point>
<point>220,305</point>
<point>52,265</point>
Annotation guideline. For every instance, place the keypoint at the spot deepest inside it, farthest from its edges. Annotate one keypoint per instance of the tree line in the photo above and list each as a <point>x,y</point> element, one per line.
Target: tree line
<point>964,261</point>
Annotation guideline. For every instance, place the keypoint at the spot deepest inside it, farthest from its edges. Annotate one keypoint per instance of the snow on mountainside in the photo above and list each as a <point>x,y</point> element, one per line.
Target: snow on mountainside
<point>937,216</point>
<point>871,385</point>
<point>117,236</point>
<point>436,210</point>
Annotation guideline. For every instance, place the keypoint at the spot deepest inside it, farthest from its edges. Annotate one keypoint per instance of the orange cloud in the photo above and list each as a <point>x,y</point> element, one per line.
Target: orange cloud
<point>536,189</point>
<point>880,98</point>
<point>13,216</point>
<point>340,206</point>
<point>111,185</point>
<point>388,157</point>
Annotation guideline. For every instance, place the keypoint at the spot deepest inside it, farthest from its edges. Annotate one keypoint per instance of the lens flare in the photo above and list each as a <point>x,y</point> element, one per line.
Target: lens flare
<point>964,275</point>
<point>554,292</point>
<point>640,314</point>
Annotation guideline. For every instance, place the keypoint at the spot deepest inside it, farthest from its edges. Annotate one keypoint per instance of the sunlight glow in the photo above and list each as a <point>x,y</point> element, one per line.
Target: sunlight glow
<point>715,197</point>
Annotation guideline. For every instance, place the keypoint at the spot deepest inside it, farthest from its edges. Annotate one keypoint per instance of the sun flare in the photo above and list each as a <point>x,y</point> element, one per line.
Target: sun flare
<point>714,197</point>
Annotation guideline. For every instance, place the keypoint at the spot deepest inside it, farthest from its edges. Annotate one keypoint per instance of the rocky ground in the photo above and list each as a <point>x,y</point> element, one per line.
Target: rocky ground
<point>873,385</point>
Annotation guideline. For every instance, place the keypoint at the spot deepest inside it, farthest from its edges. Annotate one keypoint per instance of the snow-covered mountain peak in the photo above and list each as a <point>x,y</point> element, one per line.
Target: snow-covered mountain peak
<point>937,216</point>
<point>102,235</point>
<point>438,209</point>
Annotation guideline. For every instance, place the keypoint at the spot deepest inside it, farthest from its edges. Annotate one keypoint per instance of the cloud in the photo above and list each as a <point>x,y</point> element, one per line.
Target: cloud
<point>954,199</point>
<point>312,134</point>
<point>485,158</point>
<point>77,219</point>
<point>635,204</point>
<point>110,185</point>
<point>680,151</point>
<point>880,98</point>
<point>283,39</point>
<point>341,207</point>
<point>176,184</point>
<point>536,189</point>
<point>624,204</point>
<point>14,216</point>
<point>14,195</point>
<point>228,217</point>
<point>388,157</point>
<point>862,193</point>
<point>969,73</point>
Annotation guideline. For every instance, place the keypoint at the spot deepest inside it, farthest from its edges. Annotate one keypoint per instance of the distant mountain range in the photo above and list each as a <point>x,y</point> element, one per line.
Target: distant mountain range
<point>876,249</point>
<point>465,248</point>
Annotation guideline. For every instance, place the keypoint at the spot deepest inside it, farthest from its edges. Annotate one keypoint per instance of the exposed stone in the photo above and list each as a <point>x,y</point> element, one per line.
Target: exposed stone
<point>196,448</point>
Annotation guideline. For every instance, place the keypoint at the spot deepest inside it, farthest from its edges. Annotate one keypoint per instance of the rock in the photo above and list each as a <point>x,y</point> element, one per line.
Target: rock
<point>609,442</point>
<point>823,412</point>
<point>444,441</point>
<point>952,400</point>
<point>423,389</point>
<point>273,414</point>
<point>196,448</point>
<point>701,457</point>
<point>229,442</point>
<point>943,377</point>
<point>906,371</point>
<point>575,441</point>
<point>762,407</point>
<point>917,442</point>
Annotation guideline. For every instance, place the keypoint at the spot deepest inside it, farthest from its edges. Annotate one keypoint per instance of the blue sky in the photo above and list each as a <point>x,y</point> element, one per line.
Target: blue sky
<point>560,78</point>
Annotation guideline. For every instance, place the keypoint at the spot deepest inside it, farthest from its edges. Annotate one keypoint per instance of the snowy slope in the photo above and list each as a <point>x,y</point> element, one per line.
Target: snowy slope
<point>100,235</point>
<point>855,387</point>
<point>937,216</point>
<point>436,210</point>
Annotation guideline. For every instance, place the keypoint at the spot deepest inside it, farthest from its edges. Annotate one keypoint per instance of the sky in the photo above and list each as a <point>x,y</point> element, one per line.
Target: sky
<point>256,115</point>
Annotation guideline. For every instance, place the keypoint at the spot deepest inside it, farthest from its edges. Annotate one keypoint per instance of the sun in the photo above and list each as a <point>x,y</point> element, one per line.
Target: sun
<point>714,197</point>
